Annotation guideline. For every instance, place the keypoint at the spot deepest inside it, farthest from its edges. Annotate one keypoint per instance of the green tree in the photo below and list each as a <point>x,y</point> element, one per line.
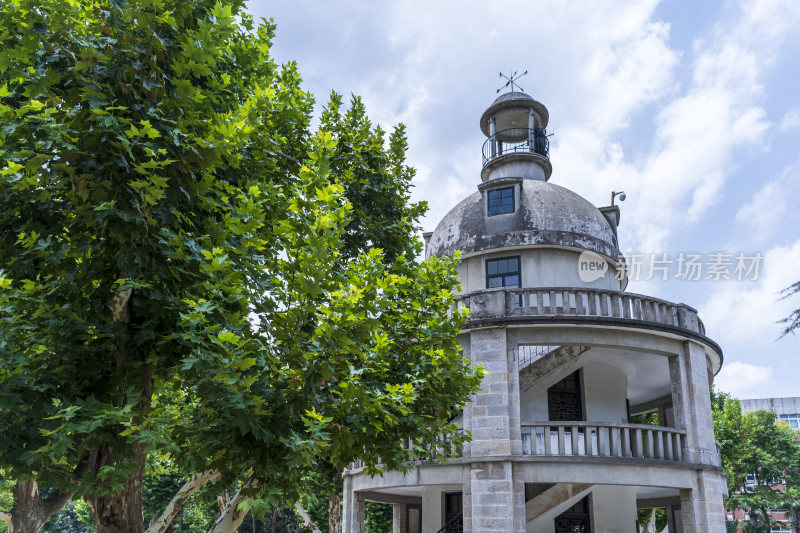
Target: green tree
<point>753,444</point>
<point>183,272</point>
<point>791,322</point>
<point>377,517</point>
<point>377,183</point>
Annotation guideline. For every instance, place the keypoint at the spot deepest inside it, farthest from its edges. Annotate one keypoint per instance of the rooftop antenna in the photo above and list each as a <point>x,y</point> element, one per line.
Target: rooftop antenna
<point>512,81</point>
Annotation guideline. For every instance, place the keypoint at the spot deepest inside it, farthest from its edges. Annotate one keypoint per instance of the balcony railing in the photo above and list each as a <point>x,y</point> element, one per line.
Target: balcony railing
<point>423,450</point>
<point>592,439</point>
<point>554,302</point>
<point>516,140</point>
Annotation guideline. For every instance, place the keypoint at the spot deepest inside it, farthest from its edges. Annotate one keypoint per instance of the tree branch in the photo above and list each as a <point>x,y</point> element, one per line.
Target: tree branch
<point>6,517</point>
<point>307,522</point>
<point>55,502</point>
<point>230,519</point>
<point>287,156</point>
<point>197,482</point>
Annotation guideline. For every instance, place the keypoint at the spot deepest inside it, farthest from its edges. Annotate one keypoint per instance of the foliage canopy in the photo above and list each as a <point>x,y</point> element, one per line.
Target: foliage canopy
<point>187,268</point>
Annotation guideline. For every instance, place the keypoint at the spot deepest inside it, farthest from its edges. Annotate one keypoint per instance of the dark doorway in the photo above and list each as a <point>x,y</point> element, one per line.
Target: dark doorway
<point>453,506</point>
<point>575,519</point>
<point>564,401</point>
<point>414,519</point>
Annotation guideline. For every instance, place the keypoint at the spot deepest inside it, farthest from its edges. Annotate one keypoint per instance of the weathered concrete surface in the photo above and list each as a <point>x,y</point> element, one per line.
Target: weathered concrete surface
<point>545,214</point>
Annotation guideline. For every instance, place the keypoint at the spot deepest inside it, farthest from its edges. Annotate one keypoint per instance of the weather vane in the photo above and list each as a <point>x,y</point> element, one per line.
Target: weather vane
<point>512,80</point>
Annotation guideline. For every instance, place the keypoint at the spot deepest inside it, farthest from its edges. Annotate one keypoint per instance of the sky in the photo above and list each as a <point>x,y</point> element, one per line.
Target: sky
<point>691,108</point>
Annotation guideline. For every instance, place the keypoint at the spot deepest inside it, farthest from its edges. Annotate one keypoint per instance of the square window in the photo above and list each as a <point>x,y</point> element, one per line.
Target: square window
<point>503,272</point>
<point>501,201</point>
<point>495,282</point>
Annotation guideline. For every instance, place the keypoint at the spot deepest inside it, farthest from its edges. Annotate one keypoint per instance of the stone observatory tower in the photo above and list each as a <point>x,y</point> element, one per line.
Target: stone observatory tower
<point>572,360</point>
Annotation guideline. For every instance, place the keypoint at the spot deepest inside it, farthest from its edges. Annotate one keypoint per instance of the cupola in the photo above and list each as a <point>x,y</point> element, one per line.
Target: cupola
<point>517,143</point>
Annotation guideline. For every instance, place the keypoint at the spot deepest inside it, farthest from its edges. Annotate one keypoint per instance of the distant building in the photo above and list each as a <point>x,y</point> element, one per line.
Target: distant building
<point>570,358</point>
<point>787,410</point>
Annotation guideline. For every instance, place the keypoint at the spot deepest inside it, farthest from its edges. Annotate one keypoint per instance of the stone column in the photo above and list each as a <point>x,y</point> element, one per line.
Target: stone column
<point>691,401</point>
<point>494,412</point>
<point>466,498</point>
<point>399,516</point>
<point>495,500</point>
<point>702,509</point>
<point>353,512</point>
<point>494,497</point>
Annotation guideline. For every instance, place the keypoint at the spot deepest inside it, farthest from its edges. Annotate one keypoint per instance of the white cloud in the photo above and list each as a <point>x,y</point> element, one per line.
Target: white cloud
<point>768,209</point>
<point>748,311</point>
<point>701,133</point>
<point>790,120</point>
<point>629,109</point>
<point>596,66</point>
<point>434,67</point>
<point>745,380</point>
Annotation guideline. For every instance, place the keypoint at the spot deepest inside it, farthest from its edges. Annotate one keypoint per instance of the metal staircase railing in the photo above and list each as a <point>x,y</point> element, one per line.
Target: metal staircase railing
<point>455,525</point>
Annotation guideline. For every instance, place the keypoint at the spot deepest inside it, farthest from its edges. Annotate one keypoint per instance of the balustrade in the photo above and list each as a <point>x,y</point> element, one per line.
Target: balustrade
<point>591,439</point>
<point>580,302</point>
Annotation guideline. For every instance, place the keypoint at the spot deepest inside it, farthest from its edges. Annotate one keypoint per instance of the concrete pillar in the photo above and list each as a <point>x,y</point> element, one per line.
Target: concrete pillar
<point>353,511</point>
<point>432,512</point>
<point>691,402</point>
<point>614,509</point>
<point>531,136</point>
<point>494,415</point>
<point>671,525</point>
<point>492,131</point>
<point>466,498</point>
<point>399,517</point>
<point>494,499</point>
<point>702,509</point>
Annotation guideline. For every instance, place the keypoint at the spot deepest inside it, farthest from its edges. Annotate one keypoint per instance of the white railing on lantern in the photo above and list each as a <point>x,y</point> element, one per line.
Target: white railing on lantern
<point>569,301</point>
<point>597,439</point>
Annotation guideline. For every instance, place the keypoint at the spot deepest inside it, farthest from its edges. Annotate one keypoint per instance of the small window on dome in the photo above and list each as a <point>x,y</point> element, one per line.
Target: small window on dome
<point>501,201</point>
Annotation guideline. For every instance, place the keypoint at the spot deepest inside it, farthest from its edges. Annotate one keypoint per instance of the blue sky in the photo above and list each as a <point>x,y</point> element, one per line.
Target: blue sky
<point>691,108</point>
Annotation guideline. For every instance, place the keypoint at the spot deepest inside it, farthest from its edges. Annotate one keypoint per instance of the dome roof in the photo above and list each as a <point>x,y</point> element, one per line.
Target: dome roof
<point>546,215</point>
<point>514,102</point>
<point>514,95</point>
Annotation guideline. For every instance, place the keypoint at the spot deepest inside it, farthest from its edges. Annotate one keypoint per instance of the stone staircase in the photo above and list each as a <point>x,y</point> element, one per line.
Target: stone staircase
<point>554,495</point>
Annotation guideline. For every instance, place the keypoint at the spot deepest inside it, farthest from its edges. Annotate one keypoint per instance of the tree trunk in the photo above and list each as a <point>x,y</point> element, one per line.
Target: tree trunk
<point>122,511</point>
<point>119,512</point>
<point>30,511</point>
<point>274,518</point>
<point>795,519</point>
<point>651,523</point>
<point>335,512</point>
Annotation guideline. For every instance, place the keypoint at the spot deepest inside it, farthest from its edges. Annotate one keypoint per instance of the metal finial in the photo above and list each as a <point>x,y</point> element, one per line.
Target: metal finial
<point>512,81</point>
